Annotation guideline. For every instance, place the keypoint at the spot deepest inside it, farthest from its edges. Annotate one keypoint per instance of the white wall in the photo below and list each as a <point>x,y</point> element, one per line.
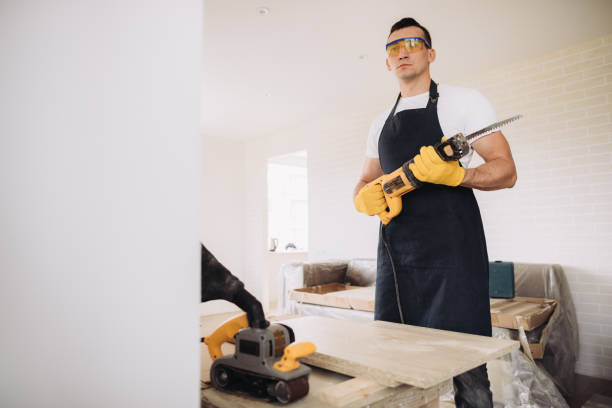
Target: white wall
<point>99,176</point>
<point>272,265</point>
<point>336,150</point>
<point>223,209</point>
<point>559,211</point>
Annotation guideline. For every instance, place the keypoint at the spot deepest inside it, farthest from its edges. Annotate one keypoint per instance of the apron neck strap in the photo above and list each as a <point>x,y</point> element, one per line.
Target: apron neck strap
<point>433,94</point>
<point>433,97</point>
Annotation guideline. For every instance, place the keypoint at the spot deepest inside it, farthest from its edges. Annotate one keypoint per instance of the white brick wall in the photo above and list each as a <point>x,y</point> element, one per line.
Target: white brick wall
<point>560,211</point>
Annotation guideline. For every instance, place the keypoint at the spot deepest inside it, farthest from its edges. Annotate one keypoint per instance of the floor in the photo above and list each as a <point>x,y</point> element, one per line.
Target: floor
<point>586,387</point>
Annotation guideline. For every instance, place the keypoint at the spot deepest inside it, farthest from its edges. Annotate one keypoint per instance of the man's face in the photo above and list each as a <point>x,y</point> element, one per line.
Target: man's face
<point>408,65</point>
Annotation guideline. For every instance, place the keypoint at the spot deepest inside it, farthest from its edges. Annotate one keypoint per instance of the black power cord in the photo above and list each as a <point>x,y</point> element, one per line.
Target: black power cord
<point>397,293</point>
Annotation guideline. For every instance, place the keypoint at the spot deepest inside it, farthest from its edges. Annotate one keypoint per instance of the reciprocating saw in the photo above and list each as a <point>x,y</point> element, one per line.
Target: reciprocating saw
<point>402,180</point>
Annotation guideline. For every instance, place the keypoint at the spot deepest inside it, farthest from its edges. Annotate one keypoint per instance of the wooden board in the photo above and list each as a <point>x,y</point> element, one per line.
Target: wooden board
<point>533,312</point>
<point>325,289</point>
<point>359,299</point>
<point>393,353</point>
<point>404,396</point>
<point>349,391</point>
<point>362,391</point>
<point>337,295</point>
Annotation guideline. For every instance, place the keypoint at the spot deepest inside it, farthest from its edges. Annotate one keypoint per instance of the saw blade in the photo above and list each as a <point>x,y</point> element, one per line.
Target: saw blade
<point>494,126</point>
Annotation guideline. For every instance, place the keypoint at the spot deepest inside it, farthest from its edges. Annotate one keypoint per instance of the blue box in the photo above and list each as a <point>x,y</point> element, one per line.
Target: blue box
<point>501,280</point>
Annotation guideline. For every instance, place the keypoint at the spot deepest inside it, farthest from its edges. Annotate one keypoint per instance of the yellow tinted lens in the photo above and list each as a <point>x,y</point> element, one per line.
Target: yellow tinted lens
<point>394,49</point>
<point>414,44</point>
<point>410,44</point>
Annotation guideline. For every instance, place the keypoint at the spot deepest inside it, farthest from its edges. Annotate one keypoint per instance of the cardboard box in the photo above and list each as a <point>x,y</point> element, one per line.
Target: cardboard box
<point>533,312</point>
<point>536,350</point>
<point>522,313</point>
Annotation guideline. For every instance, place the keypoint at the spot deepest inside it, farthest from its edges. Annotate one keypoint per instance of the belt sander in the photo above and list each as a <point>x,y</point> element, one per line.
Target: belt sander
<point>264,363</point>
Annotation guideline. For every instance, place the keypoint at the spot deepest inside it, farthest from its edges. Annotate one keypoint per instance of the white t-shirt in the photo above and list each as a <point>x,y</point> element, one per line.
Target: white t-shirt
<point>460,109</point>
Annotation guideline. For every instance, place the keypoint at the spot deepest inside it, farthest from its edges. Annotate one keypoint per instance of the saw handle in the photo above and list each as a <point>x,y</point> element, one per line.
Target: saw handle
<point>452,149</point>
<point>394,185</point>
<point>394,207</point>
<point>394,203</point>
<point>292,352</point>
<point>226,331</point>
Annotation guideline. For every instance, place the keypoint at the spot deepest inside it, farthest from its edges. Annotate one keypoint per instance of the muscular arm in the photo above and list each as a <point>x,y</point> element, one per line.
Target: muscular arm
<point>498,171</point>
<point>371,171</point>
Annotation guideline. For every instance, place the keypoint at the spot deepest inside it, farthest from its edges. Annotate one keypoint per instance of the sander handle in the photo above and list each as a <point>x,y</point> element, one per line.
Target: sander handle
<point>291,353</point>
<point>226,331</point>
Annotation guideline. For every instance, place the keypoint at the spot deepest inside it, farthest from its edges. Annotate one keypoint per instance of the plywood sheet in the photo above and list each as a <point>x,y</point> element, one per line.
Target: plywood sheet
<point>393,353</point>
<point>404,396</point>
<point>359,299</point>
<point>337,295</point>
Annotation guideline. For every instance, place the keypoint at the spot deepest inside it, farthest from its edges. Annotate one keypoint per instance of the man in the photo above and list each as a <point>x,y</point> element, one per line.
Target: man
<point>432,257</point>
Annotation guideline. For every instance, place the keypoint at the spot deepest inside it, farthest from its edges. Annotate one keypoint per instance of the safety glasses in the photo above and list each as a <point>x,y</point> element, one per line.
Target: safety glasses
<point>411,44</point>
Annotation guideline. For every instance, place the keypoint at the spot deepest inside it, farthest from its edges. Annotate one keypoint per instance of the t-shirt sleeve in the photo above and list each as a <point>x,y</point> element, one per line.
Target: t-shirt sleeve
<point>479,114</point>
<point>373,136</point>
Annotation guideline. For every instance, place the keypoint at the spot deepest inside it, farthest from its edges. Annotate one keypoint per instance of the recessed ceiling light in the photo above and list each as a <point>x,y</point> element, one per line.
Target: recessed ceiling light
<point>262,11</point>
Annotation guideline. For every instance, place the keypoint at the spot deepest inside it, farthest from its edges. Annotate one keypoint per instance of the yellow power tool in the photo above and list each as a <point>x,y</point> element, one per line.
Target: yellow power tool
<point>402,180</point>
<point>264,363</point>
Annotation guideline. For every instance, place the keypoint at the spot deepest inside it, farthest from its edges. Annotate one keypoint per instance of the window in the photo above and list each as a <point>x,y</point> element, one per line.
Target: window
<point>288,202</point>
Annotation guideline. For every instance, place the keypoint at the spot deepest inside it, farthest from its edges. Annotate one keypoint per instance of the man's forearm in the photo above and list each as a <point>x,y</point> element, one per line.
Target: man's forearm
<point>492,175</point>
<point>358,187</point>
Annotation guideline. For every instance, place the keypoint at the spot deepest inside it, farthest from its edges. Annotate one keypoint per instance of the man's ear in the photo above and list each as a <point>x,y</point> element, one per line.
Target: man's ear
<point>387,63</point>
<point>431,55</point>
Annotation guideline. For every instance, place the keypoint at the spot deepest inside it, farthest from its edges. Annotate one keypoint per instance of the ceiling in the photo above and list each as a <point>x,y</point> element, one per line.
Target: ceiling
<point>307,59</point>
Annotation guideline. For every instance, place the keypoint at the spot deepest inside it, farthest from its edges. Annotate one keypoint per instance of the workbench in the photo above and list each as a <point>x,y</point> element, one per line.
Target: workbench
<point>376,364</point>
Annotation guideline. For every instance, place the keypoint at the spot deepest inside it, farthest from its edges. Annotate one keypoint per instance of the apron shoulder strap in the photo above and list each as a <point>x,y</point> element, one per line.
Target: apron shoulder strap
<point>433,94</point>
<point>399,96</point>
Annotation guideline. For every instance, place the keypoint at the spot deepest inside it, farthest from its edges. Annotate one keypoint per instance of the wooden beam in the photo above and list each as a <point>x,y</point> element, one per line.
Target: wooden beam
<point>349,391</point>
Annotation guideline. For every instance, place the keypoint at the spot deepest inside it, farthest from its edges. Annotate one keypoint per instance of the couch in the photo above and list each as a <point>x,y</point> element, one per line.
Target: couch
<point>295,275</point>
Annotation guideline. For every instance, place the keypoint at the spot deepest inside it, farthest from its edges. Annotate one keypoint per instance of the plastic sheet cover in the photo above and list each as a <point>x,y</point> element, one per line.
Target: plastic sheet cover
<point>561,353</point>
<point>517,382</point>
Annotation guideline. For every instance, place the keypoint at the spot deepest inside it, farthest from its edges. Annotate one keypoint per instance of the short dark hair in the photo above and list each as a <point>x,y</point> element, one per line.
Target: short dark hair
<point>410,22</point>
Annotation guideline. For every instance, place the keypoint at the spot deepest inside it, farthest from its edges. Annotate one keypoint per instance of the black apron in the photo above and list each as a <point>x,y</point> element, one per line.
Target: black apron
<point>436,245</point>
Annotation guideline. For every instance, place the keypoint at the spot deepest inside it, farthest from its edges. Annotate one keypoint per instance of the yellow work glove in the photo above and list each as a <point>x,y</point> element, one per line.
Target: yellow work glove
<point>371,200</point>
<point>428,167</point>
